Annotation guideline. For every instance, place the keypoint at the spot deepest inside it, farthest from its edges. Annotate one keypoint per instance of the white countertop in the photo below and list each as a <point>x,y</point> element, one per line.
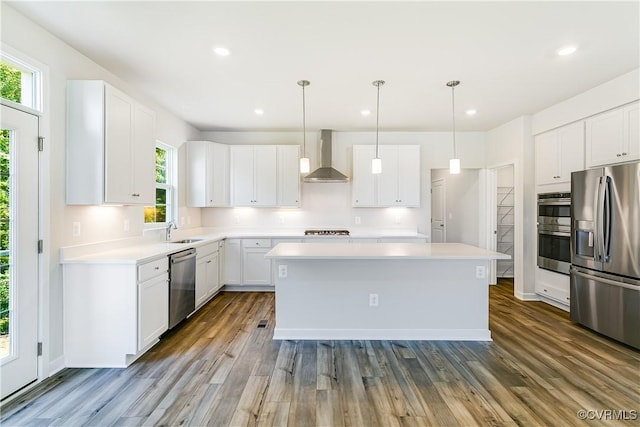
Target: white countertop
<point>139,250</point>
<point>381,251</point>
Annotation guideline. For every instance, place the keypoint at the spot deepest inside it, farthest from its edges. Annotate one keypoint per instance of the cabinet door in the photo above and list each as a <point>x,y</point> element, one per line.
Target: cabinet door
<point>547,161</point>
<point>153,309</point>
<point>118,145</point>
<point>213,277</point>
<point>363,188</point>
<point>388,179</point>
<point>409,175</point>
<point>265,175</point>
<point>143,157</point>
<point>232,262</point>
<point>218,175</point>
<point>201,282</point>
<point>632,132</point>
<point>571,149</point>
<point>242,175</point>
<point>288,175</point>
<point>197,173</point>
<point>605,138</point>
<point>256,270</point>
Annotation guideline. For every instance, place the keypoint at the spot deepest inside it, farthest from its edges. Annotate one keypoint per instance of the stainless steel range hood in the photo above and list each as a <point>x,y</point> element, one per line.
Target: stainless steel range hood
<point>325,173</point>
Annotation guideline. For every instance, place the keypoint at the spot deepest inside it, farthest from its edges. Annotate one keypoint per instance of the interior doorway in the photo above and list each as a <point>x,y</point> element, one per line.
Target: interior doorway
<point>438,217</point>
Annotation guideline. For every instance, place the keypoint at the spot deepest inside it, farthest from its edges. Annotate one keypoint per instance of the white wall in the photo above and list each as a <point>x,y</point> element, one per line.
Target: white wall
<point>462,200</point>
<point>98,223</point>
<point>329,204</point>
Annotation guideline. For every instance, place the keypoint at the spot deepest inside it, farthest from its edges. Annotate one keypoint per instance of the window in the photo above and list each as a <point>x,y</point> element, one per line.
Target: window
<point>19,82</point>
<point>162,211</point>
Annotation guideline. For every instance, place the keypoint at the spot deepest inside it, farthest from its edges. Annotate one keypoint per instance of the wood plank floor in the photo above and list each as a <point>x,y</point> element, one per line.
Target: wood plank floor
<point>219,368</point>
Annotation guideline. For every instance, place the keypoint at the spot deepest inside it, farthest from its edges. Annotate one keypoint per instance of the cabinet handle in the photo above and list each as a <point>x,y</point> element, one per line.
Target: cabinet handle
<point>136,195</point>
<point>624,154</point>
<point>545,290</point>
<point>618,155</point>
<point>157,268</point>
<point>209,262</point>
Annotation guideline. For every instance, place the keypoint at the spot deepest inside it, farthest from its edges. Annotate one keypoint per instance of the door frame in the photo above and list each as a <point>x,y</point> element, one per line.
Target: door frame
<point>46,367</point>
<point>444,205</point>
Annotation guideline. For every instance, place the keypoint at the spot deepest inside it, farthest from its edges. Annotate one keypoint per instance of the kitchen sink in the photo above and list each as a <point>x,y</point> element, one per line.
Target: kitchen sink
<point>186,241</point>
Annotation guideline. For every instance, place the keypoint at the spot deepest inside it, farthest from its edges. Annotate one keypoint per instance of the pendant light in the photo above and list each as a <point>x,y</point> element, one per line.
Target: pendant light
<point>304,160</point>
<point>376,163</point>
<point>454,163</point>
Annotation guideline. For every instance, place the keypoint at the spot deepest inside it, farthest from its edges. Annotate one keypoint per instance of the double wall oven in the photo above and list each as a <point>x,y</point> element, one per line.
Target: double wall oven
<point>554,231</point>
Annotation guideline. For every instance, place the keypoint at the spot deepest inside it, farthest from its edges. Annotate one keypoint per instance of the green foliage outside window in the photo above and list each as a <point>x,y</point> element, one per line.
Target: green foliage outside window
<point>11,89</point>
<point>158,213</point>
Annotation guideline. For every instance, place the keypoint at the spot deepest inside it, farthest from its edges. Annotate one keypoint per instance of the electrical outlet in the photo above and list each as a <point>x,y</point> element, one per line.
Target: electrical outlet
<point>397,220</point>
<point>373,300</point>
<point>76,229</point>
<point>127,225</point>
<point>281,220</point>
<point>188,219</point>
<point>357,220</point>
<point>480,272</point>
<point>282,271</point>
<point>236,219</point>
<point>181,220</point>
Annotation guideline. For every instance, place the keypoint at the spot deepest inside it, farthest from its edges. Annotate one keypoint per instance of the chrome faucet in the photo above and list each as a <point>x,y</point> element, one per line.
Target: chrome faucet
<point>171,224</point>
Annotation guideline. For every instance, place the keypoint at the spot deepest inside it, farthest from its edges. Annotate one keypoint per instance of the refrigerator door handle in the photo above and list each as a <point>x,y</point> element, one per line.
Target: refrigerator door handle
<point>606,219</point>
<point>605,280</point>
<point>599,211</point>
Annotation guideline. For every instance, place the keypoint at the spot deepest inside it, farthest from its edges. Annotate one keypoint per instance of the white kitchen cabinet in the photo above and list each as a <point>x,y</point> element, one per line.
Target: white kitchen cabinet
<point>232,272</point>
<point>113,313</point>
<point>613,136</point>
<point>110,146</point>
<point>554,286</point>
<point>153,309</point>
<point>256,270</point>
<point>207,173</point>
<point>253,175</point>
<point>397,185</point>
<point>288,175</point>
<point>207,273</point>
<point>558,153</point>
<point>363,188</point>
<point>399,182</point>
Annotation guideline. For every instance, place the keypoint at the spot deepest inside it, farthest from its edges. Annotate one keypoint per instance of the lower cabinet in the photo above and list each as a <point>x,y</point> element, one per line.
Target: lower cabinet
<point>256,270</point>
<point>113,313</point>
<point>554,286</point>
<point>207,273</point>
<point>232,272</point>
<point>153,295</point>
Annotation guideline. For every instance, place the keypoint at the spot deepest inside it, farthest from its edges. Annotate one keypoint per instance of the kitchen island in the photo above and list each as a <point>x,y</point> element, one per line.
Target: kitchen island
<point>382,291</point>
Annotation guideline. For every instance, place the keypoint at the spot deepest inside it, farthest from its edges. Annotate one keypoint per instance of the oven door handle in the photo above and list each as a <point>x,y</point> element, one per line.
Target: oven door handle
<point>554,233</point>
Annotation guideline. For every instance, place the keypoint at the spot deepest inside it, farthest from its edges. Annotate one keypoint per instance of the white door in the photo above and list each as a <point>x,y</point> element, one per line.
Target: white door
<point>438,225</point>
<point>18,250</point>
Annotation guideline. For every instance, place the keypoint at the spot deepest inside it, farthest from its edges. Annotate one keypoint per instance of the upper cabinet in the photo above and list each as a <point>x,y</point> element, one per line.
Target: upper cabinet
<point>288,175</point>
<point>558,153</point>
<point>110,146</point>
<point>207,174</point>
<point>613,136</point>
<point>253,175</point>
<point>397,185</point>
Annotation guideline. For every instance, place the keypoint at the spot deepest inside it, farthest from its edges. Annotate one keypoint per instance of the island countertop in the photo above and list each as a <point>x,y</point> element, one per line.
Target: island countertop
<point>382,251</point>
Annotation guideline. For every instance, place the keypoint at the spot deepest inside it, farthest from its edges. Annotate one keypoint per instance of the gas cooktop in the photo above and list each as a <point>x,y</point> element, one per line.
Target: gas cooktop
<point>326,232</point>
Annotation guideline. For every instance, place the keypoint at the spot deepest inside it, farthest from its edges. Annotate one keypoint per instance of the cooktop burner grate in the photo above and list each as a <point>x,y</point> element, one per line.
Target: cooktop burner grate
<point>326,232</point>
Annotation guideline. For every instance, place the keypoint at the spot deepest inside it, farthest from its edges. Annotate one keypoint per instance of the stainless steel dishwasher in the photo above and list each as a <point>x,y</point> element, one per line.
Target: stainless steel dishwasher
<point>182,285</point>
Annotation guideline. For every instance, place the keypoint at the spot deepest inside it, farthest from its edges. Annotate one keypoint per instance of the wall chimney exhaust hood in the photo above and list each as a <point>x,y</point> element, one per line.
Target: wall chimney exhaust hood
<point>325,173</point>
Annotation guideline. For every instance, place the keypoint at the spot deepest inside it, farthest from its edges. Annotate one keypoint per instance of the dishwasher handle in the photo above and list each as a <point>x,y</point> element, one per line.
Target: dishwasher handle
<point>182,256</point>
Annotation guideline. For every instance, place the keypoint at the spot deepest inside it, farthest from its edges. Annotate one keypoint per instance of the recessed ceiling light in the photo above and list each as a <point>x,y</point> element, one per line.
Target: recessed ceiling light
<point>471,112</point>
<point>365,112</point>
<point>259,111</point>
<point>221,51</point>
<point>567,50</point>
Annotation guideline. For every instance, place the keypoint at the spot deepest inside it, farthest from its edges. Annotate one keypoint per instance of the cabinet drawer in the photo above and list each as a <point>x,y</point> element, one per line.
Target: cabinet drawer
<point>203,251</point>
<point>152,269</point>
<point>256,243</point>
<point>560,295</point>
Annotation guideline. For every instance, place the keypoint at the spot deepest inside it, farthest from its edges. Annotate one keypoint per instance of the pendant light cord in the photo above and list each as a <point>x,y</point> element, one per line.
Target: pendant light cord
<point>377,83</point>
<point>304,125</point>
<point>453,115</point>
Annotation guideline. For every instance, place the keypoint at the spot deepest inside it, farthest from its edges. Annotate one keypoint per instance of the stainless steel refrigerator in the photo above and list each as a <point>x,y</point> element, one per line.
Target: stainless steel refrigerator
<point>605,251</point>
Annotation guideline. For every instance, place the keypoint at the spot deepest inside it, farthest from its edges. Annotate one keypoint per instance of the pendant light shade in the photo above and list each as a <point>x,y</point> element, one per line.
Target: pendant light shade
<point>376,163</point>
<point>454,163</point>
<point>304,160</point>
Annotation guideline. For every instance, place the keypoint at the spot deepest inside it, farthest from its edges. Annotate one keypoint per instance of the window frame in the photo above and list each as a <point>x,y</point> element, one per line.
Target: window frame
<point>31,84</point>
<point>169,187</point>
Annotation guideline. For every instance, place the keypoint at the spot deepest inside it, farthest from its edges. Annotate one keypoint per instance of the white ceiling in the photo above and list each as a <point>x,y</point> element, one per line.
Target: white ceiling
<point>503,53</point>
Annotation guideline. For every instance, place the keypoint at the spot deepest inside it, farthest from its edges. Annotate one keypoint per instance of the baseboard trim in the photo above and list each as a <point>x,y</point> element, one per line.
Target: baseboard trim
<point>249,288</point>
<point>56,365</point>
<point>527,296</point>
<point>383,334</point>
